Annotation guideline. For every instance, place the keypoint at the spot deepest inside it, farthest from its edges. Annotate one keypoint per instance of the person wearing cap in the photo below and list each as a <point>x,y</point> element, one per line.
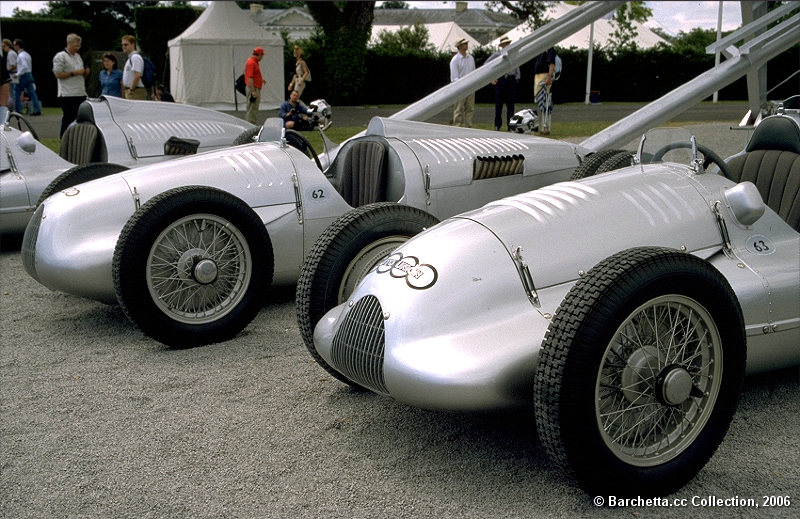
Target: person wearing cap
<point>132,85</point>
<point>505,89</point>
<point>253,83</point>
<point>461,65</point>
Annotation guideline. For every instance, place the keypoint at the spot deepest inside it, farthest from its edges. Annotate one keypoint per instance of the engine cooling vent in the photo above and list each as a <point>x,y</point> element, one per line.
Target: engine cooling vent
<point>497,166</point>
<point>358,347</point>
<point>28,250</point>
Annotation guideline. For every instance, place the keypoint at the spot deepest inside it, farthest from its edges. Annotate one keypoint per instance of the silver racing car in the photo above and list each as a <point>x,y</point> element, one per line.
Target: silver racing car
<point>624,308</point>
<point>189,247</point>
<point>109,135</point>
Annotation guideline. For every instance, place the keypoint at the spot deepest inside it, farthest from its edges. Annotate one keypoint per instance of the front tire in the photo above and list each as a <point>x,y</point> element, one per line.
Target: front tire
<point>192,266</point>
<point>351,247</point>
<point>640,372</point>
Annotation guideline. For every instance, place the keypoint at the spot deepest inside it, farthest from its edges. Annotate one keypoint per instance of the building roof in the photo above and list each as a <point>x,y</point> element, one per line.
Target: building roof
<point>481,24</point>
<point>442,36</point>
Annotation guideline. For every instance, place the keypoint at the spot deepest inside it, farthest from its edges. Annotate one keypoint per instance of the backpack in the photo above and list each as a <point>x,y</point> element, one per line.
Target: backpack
<point>557,71</point>
<point>149,73</point>
<point>239,85</point>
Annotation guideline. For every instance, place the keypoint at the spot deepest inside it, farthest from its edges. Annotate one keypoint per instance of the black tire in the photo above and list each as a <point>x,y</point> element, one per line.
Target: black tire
<point>217,247</point>
<point>348,250</point>
<point>617,161</point>
<point>78,175</point>
<point>709,156</point>
<point>601,358</point>
<point>247,137</point>
<point>22,121</point>
<point>590,164</point>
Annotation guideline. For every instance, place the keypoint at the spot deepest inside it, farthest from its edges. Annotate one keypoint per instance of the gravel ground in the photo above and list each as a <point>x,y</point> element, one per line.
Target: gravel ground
<point>97,420</point>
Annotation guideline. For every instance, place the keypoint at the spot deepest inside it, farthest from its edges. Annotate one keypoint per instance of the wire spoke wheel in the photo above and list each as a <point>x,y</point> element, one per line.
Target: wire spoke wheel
<point>366,261</point>
<point>658,380</point>
<point>199,268</point>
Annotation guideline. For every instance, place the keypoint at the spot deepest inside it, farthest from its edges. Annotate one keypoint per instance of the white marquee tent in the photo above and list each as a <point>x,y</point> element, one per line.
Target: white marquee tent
<point>443,36</point>
<point>209,55</point>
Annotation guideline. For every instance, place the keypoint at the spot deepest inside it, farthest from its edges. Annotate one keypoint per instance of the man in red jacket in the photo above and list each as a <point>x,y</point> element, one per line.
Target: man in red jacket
<point>253,83</point>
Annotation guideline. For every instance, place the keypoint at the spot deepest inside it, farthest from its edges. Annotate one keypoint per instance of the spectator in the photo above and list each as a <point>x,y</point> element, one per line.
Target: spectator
<point>543,72</point>
<point>461,65</point>
<point>70,73</point>
<point>5,80</point>
<point>25,78</point>
<point>301,72</point>
<point>11,67</point>
<point>161,94</point>
<point>294,113</point>
<point>253,84</point>
<point>505,89</point>
<point>132,86</point>
<point>110,76</point>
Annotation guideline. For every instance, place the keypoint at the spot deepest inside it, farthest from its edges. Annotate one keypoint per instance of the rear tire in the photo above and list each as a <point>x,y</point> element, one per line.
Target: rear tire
<point>351,247</point>
<point>590,164</point>
<point>617,161</point>
<point>78,175</point>
<point>247,136</point>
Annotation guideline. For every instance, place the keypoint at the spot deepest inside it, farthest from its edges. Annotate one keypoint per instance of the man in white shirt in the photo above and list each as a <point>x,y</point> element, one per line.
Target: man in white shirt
<point>25,78</point>
<point>461,65</point>
<point>133,87</point>
<point>70,73</point>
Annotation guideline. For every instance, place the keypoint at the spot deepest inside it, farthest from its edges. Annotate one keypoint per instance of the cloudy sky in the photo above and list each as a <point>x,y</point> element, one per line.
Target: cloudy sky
<point>670,16</point>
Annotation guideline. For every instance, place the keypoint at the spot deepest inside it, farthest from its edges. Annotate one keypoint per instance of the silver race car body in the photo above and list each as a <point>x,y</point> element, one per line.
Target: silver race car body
<point>624,300</point>
<point>107,130</point>
<point>71,241</point>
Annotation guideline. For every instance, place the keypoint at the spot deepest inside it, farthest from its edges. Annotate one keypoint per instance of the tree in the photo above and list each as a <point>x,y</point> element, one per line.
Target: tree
<point>624,35</point>
<point>346,28</point>
<point>406,40</point>
<point>394,5</point>
<point>110,20</point>
<point>533,12</point>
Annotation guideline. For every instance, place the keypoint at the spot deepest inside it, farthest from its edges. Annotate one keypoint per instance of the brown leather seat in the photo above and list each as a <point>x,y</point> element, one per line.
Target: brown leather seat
<point>772,162</point>
<point>364,179</point>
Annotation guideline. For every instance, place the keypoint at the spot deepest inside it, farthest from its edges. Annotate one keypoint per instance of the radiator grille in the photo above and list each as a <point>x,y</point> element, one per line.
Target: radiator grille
<point>28,250</point>
<point>358,347</point>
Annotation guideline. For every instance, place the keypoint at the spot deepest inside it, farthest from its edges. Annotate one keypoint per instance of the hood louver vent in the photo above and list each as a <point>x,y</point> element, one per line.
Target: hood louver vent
<point>497,166</point>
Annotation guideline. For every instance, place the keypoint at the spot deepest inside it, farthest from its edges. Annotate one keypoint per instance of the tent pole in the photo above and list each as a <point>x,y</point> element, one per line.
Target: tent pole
<point>233,75</point>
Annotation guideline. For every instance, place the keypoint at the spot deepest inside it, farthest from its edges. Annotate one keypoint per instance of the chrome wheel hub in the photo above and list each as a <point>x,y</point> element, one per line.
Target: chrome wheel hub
<point>205,271</point>
<point>673,385</point>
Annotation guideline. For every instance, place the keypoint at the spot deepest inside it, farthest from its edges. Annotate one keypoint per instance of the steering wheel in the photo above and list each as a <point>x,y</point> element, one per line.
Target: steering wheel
<point>709,156</point>
<point>296,140</point>
<point>22,121</point>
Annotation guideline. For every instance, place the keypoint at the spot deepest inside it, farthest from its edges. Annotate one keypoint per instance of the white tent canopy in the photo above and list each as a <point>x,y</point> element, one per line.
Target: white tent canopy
<point>602,32</point>
<point>443,36</point>
<point>209,55</point>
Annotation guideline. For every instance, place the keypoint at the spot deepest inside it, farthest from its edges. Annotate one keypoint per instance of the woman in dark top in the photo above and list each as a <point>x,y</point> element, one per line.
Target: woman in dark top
<point>111,76</point>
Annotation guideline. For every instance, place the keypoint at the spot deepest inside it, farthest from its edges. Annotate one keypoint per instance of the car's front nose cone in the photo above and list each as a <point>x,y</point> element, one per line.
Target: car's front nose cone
<point>438,329</point>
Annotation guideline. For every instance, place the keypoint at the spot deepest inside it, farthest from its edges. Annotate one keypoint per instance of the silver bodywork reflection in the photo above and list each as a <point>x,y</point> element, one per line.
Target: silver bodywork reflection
<point>130,133</point>
<point>70,244</point>
<point>458,313</point>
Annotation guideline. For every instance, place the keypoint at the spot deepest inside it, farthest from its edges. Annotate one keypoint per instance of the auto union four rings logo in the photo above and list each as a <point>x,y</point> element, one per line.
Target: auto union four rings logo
<point>419,276</point>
